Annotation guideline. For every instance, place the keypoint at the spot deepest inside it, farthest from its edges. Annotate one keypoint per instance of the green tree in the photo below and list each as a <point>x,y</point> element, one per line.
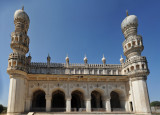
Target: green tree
<point>1,108</point>
<point>155,103</point>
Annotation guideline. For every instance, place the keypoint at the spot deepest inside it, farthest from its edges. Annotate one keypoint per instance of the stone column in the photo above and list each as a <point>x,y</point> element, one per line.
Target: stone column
<point>107,104</point>
<point>127,106</point>
<point>16,100</point>
<point>68,104</point>
<point>28,104</point>
<point>88,103</point>
<point>141,98</point>
<point>48,103</point>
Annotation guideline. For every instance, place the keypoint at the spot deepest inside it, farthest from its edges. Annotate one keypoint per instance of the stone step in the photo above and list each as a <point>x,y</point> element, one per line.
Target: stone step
<point>81,113</point>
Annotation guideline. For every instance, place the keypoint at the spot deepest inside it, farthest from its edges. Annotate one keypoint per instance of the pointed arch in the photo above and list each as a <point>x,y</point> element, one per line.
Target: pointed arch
<point>38,100</point>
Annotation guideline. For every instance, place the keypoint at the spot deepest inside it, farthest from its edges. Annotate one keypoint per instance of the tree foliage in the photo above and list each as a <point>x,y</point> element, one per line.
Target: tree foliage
<point>155,103</point>
<point>1,108</point>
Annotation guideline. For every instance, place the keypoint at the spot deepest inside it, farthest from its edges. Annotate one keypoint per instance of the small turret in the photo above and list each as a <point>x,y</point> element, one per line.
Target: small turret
<point>104,60</point>
<point>85,60</point>
<point>121,60</point>
<point>29,59</point>
<point>67,59</point>
<point>48,60</point>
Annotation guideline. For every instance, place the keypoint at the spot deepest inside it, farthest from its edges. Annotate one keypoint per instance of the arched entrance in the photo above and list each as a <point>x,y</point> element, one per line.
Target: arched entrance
<point>77,100</point>
<point>39,101</point>
<point>115,100</point>
<point>96,100</point>
<point>58,101</point>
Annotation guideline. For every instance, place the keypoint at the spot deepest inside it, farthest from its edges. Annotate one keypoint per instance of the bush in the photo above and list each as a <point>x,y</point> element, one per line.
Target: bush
<point>155,103</point>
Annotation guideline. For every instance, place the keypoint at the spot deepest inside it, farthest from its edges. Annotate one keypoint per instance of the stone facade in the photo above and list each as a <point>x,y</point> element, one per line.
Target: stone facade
<point>60,87</point>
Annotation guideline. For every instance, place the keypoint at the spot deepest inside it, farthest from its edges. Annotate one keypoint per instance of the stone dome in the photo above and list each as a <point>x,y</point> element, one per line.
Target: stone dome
<point>21,14</point>
<point>131,19</point>
<point>85,58</point>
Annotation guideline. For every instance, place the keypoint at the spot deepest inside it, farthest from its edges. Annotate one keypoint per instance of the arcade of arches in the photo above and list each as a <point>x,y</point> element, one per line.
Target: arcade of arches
<point>59,102</point>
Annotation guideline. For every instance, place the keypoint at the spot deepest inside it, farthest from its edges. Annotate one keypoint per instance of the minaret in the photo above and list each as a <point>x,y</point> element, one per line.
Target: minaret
<point>48,61</point>
<point>17,62</point>
<point>135,65</point>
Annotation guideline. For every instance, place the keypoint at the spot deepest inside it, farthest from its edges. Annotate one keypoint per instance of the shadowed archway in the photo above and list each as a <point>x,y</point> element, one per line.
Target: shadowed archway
<point>77,100</point>
<point>39,101</point>
<point>96,100</point>
<point>58,99</point>
<point>115,100</point>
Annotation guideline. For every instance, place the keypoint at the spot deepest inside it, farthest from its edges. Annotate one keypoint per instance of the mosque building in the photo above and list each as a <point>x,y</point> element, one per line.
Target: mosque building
<point>68,87</point>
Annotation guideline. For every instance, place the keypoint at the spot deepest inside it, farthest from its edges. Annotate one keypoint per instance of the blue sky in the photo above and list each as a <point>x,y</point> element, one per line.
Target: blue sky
<point>79,27</point>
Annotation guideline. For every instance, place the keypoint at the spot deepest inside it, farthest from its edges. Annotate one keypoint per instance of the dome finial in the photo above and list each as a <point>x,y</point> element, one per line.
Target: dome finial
<point>127,13</point>
<point>22,7</point>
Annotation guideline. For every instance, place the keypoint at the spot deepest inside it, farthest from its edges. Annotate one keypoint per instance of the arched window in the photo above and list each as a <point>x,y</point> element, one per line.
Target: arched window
<point>137,66</point>
<point>138,42</point>
<point>129,45</point>
<point>9,64</point>
<point>125,47</point>
<point>14,63</point>
<point>132,68</point>
<point>16,39</point>
<point>133,43</point>
<point>142,66</point>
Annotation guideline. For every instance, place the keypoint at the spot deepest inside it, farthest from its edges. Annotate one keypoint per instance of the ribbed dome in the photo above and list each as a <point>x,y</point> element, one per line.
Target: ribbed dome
<point>131,19</point>
<point>22,15</point>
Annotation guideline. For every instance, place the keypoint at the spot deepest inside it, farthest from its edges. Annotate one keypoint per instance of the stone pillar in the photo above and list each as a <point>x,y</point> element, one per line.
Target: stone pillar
<point>16,101</point>
<point>88,103</point>
<point>68,104</point>
<point>127,106</point>
<point>28,104</point>
<point>108,105</point>
<point>141,98</point>
<point>48,103</point>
